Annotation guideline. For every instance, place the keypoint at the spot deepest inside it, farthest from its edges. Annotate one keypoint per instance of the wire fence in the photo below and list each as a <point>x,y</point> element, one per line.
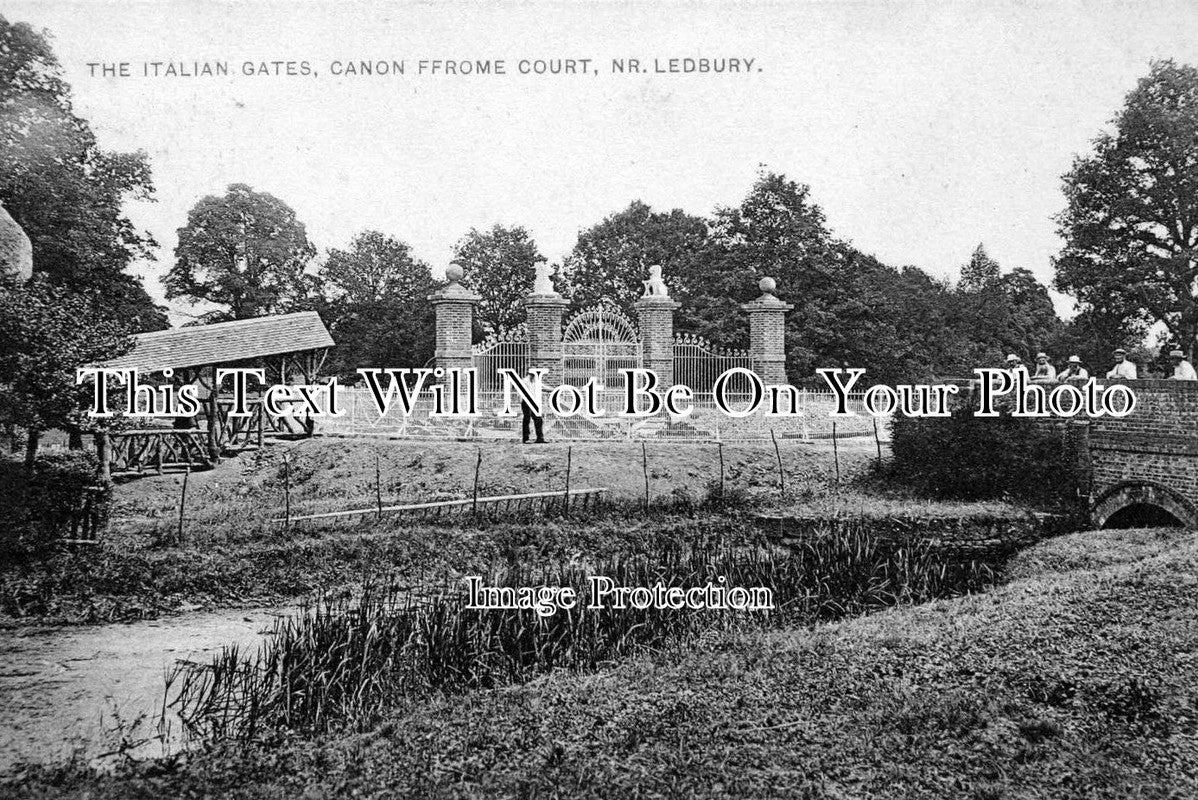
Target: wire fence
<point>706,423</point>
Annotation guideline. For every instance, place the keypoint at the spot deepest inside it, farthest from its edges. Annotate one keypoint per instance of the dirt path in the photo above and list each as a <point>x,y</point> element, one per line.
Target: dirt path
<point>66,691</point>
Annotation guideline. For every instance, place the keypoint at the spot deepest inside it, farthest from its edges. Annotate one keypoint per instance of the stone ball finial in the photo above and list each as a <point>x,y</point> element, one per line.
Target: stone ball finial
<point>454,273</point>
<point>767,285</point>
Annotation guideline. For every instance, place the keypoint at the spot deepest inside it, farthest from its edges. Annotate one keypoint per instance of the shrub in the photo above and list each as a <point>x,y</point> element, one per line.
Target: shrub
<point>967,457</point>
<point>42,507</point>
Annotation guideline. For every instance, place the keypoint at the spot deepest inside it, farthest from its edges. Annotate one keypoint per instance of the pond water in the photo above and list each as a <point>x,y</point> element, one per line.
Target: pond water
<point>68,691</point>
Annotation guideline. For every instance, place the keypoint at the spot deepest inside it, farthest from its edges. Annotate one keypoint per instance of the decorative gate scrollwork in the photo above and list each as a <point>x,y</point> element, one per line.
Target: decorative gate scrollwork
<point>599,342</point>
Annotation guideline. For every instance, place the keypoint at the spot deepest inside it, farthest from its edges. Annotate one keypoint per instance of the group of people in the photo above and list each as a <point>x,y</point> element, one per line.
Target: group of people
<point>1045,372</point>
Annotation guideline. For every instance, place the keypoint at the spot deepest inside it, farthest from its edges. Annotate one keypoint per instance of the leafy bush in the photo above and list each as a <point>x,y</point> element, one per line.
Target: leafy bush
<point>977,458</point>
<point>42,507</point>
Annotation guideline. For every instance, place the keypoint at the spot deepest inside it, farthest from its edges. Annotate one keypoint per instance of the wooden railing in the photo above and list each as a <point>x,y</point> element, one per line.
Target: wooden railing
<point>159,450</point>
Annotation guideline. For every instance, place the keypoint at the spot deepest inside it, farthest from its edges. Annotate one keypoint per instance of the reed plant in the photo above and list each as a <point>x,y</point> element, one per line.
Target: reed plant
<point>345,663</point>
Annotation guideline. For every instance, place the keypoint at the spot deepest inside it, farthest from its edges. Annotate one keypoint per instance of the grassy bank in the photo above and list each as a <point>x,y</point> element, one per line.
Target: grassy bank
<point>1073,680</point>
<point>231,553</point>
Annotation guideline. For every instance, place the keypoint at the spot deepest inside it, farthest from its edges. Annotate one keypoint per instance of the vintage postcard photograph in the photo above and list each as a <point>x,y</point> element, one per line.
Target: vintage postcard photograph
<point>610,399</point>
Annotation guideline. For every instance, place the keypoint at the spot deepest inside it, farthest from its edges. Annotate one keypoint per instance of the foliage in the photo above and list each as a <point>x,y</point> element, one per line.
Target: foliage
<point>347,663</point>
<point>40,506</point>
<point>244,252</point>
<point>850,309</point>
<point>376,305</point>
<point>1074,681</point>
<point>46,334</point>
<point>974,458</point>
<point>611,259</point>
<point>64,190</point>
<point>500,265</point>
<point>980,272</point>
<point>999,314</point>
<point>1130,225</point>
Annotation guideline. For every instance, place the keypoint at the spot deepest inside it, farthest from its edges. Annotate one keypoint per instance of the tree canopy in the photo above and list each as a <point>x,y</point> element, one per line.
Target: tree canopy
<point>64,190</point>
<point>42,343</point>
<point>244,252</point>
<point>1131,220</point>
<point>611,259</point>
<point>501,265</point>
<point>376,305</point>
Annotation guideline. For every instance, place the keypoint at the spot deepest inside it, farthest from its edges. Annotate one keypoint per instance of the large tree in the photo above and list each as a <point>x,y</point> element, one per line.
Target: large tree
<point>500,264</point>
<point>64,190</point>
<point>999,314</point>
<point>611,259</point>
<point>377,305</point>
<point>244,252</point>
<point>1131,223</point>
<point>42,343</point>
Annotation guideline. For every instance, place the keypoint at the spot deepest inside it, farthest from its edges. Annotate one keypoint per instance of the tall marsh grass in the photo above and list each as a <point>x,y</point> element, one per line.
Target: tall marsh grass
<point>345,663</point>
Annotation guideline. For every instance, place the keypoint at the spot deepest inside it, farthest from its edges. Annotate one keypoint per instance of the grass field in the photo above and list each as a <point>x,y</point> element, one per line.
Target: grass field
<point>1075,679</point>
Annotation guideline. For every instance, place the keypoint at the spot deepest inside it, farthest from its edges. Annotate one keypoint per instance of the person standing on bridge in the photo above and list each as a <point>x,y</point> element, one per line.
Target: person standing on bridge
<point>1073,371</point>
<point>1182,370</point>
<point>1123,368</point>
<point>1045,372</point>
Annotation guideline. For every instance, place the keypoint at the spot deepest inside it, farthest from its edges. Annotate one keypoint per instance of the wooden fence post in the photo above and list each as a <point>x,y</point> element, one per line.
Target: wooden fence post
<point>378,485</point>
<point>569,459</point>
<point>645,467</point>
<point>778,455</point>
<point>721,447</point>
<point>286,490</point>
<point>477,467</point>
<point>836,454</point>
<point>183,502</point>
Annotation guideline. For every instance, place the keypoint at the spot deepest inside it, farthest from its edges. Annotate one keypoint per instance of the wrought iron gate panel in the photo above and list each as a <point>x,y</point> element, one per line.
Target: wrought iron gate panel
<point>599,342</point>
<point>698,363</point>
<point>508,349</point>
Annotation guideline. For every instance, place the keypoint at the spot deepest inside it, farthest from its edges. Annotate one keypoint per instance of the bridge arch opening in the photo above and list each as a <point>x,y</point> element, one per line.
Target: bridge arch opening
<point>1141,504</point>
<point>1142,515</point>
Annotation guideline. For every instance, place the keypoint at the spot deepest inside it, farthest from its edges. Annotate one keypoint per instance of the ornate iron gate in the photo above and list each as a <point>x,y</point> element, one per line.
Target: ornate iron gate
<point>508,349</point>
<point>599,342</point>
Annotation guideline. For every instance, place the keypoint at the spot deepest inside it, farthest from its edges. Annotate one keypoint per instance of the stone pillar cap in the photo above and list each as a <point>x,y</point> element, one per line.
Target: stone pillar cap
<point>455,291</point>
<point>656,301</point>
<point>768,300</point>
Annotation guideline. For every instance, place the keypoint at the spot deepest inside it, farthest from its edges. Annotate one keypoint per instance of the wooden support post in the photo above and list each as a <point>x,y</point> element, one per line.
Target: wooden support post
<point>877,441</point>
<point>183,504</point>
<point>645,468</point>
<point>286,490</point>
<point>478,465</point>
<point>721,448</point>
<point>778,455</point>
<point>569,456</point>
<point>836,454</point>
<point>214,419</point>
<point>378,485</point>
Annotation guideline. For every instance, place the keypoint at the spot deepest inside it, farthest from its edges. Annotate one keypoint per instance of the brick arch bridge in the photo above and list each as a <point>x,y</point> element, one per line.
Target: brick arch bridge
<point>1149,458</point>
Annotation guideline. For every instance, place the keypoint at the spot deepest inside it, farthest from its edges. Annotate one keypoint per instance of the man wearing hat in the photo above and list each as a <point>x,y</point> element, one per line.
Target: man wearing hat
<point>1123,368</point>
<point>1074,371</point>
<point>1182,370</point>
<point>1014,362</point>
<point>1045,372</point>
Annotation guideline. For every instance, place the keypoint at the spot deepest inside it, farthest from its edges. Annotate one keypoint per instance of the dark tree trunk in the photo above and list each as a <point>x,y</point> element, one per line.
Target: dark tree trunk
<point>31,450</point>
<point>74,438</point>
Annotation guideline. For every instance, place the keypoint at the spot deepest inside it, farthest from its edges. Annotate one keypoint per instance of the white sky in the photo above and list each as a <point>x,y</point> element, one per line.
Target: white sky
<point>922,128</point>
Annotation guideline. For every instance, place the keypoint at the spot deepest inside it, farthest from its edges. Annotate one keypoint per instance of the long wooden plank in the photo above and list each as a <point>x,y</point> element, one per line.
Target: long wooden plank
<point>441,504</point>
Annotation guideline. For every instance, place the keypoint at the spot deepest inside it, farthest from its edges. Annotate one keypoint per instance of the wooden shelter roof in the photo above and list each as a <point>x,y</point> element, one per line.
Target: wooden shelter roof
<point>225,342</point>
